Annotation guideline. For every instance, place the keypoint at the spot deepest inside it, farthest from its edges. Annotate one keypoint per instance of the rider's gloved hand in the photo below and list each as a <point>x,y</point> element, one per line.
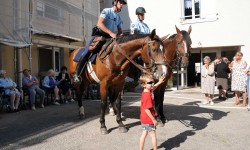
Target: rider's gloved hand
<point>113,35</point>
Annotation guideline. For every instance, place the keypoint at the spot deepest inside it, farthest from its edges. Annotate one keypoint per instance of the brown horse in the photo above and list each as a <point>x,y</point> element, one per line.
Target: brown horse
<point>177,49</point>
<point>111,68</point>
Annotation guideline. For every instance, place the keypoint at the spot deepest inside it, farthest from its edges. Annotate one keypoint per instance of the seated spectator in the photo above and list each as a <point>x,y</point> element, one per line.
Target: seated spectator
<point>10,90</point>
<point>30,82</point>
<point>65,85</point>
<point>50,83</point>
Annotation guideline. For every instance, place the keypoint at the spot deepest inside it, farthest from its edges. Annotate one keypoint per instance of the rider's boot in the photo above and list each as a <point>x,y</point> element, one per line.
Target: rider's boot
<point>80,66</point>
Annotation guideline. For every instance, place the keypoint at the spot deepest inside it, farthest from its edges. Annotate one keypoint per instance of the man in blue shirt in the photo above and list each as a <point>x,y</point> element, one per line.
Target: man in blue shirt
<point>139,27</point>
<point>30,83</point>
<point>108,23</point>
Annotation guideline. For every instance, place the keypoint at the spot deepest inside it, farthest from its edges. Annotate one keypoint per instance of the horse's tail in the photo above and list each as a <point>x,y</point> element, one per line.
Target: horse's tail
<point>72,63</point>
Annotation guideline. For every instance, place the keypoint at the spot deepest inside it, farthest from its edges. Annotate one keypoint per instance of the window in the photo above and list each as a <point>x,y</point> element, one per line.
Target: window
<point>53,59</point>
<point>198,11</point>
<point>49,11</point>
<point>191,9</point>
<point>57,61</point>
<point>39,8</point>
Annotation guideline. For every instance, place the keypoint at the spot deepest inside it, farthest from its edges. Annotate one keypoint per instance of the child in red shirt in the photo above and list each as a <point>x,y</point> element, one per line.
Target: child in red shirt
<point>147,115</point>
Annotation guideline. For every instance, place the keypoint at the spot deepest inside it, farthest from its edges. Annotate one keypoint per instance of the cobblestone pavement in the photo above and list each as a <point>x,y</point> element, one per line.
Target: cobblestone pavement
<point>191,126</point>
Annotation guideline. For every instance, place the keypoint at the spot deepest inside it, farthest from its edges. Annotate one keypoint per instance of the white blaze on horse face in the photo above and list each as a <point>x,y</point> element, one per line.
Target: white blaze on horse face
<point>161,48</point>
<point>185,46</point>
<point>164,69</point>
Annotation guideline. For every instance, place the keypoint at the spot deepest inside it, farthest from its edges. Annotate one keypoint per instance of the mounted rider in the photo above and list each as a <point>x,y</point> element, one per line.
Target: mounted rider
<point>109,21</point>
<point>139,27</point>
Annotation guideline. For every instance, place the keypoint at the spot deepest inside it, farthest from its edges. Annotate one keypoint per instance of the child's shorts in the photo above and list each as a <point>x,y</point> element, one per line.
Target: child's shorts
<point>148,127</point>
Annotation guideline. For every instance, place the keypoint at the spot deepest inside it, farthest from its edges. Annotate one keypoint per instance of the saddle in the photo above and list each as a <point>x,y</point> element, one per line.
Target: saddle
<point>97,44</point>
<point>105,51</point>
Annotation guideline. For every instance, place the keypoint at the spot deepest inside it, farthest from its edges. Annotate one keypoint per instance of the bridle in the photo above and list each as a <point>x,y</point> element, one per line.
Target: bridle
<point>178,54</point>
<point>153,64</point>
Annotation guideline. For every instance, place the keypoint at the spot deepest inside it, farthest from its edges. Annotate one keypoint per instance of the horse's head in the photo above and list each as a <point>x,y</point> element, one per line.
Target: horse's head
<point>153,55</point>
<point>183,46</point>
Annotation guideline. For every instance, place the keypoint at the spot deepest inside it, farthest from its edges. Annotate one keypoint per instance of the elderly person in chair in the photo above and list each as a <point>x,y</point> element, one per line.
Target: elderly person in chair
<point>50,83</point>
<point>30,83</point>
<point>10,90</point>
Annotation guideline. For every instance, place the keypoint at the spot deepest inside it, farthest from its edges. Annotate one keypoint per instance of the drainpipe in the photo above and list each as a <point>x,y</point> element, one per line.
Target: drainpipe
<point>17,8</point>
<point>30,40</point>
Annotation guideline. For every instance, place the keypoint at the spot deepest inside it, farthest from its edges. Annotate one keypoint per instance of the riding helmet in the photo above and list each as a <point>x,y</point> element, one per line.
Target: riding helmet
<point>140,10</point>
<point>121,1</point>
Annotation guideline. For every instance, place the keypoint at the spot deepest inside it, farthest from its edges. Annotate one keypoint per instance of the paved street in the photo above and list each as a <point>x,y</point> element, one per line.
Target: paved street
<point>191,126</point>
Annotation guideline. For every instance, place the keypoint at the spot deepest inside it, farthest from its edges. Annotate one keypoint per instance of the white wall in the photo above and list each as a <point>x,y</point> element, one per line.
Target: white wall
<point>231,28</point>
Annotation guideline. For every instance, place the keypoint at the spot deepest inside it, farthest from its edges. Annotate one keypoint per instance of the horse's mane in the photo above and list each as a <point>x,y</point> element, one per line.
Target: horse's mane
<point>185,35</point>
<point>130,37</point>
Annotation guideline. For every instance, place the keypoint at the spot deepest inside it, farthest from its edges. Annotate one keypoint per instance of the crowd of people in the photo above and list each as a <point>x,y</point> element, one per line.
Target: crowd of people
<point>58,85</point>
<point>235,73</point>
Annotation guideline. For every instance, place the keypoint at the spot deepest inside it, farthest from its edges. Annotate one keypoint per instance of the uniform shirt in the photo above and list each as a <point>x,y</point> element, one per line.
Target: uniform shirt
<point>6,83</point>
<point>27,80</point>
<point>112,19</point>
<point>147,102</point>
<point>140,27</point>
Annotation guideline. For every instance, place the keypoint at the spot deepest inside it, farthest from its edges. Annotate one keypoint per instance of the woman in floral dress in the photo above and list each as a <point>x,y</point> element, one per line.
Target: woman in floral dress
<point>239,77</point>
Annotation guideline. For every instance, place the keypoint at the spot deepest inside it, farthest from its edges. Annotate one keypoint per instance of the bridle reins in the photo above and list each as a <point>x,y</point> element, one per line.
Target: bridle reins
<point>178,55</point>
<point>143,69</point>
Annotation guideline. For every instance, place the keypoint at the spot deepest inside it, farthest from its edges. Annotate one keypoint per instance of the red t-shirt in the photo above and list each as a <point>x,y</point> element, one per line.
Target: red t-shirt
<point>147,102</point>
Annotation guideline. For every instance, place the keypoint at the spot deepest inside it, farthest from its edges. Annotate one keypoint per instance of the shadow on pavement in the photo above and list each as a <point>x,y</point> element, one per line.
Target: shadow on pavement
<point>195,118</point>
<point>19,130</point>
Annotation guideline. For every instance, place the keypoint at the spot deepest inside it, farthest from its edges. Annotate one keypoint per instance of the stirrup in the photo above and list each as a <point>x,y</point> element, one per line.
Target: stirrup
<point>77,79</point>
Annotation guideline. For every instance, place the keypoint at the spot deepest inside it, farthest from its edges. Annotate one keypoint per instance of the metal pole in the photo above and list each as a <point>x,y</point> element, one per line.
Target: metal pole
<point>30,40</point>
<point>1,64</point>
<point>18,50</point>
<point>178,76</point>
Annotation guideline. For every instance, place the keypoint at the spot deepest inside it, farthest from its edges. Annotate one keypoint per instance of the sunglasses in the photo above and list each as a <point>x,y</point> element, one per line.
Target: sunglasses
<point>150,82</point>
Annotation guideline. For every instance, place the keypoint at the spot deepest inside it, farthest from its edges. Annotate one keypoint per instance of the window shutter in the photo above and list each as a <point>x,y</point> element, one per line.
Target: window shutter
<point>208,10</point>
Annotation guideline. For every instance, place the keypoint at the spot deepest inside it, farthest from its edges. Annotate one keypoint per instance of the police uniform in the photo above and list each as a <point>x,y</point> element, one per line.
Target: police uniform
<point>112,19</point>
<point>140,27</point>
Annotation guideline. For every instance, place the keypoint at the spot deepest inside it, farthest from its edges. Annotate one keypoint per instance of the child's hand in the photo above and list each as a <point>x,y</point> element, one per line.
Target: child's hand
<point>155,122</point>
<point>162,78</point>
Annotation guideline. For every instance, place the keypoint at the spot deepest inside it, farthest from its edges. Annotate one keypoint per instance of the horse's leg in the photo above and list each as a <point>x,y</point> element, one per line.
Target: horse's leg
<point>117,107</point>
<point>103,94</point>
<point>111,103</point>
<point>161,113</point>
<point>79,100</point>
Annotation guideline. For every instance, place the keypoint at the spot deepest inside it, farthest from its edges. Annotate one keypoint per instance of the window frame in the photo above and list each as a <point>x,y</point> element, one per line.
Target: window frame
<point>199,19</point>
<point>41,8</point>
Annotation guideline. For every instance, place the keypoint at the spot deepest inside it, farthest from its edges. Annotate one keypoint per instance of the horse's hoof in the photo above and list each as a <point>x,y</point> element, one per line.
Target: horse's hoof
<point>160,124</point>
<point>81,116</point>
<point>104,131</point>
<point>123,129</point>
<point>111,112</point>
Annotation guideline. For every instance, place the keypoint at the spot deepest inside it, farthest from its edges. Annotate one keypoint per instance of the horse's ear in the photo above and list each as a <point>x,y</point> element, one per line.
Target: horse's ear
<point>177,29</point>
<point>153,34</point>
<point>189,29</point>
